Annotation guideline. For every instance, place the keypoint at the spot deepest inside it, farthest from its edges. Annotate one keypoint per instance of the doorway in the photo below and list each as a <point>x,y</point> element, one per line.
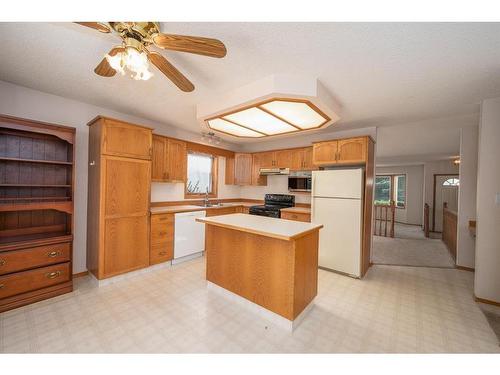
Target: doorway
<point>445,190</point>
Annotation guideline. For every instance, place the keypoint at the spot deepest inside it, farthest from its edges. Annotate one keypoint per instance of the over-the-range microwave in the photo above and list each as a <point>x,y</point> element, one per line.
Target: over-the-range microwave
<point>299,181</point>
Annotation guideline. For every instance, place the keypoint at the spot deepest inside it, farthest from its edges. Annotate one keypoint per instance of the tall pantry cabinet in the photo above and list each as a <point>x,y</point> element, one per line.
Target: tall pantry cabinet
<point>118,197</point>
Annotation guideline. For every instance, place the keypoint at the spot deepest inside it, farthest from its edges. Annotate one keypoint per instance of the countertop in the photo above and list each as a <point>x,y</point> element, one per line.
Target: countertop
<point>188,207</point>
<point>262,225</point>
<point>297,210</point>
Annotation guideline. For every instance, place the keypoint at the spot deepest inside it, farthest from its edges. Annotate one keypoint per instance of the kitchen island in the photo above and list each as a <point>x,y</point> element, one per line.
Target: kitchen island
<point>270,262</point>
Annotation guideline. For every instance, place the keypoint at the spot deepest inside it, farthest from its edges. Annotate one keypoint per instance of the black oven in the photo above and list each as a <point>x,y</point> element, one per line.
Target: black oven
<point>299,181</point>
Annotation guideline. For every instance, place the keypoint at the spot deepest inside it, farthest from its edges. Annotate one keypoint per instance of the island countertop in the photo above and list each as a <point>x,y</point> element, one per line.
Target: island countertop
<point>262,225</point>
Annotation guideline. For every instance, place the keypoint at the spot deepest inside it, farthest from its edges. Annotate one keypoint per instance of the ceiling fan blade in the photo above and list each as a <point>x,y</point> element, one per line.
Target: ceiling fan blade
<point>104,69</point>
<point>99,26</point>
<point>192,44</point>
<point>170,71</point>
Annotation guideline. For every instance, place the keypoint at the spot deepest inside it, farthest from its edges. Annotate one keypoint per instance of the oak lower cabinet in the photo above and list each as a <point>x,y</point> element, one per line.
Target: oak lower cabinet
<point>162,238</point>
<point>297,216</point>
<point>118,198</point>
<point>169,159</point>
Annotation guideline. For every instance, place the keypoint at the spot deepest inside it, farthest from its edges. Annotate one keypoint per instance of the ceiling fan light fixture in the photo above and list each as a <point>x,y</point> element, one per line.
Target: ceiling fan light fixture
<point>116,62</point>
<point>134,61</point>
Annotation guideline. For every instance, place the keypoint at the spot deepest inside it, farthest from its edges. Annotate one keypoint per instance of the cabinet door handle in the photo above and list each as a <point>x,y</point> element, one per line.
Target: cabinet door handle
<point>162,233</point>
<point>162,253</point>
<point>53,275</point>
<point>2,286</point>
<point>2,262</point>
<point>53,254</point>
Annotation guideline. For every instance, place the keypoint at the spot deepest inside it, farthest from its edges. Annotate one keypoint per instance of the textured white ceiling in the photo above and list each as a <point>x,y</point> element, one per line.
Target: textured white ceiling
<point>382,74</point>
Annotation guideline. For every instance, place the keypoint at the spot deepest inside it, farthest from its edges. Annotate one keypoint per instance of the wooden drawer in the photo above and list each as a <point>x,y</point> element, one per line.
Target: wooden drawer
<point>19,260</point>
<point>222,211</point>
<point>297,216</point>
<point>26,281</point>
<point>162,228</point>
<point>162,219</point>
<point>161,252</point>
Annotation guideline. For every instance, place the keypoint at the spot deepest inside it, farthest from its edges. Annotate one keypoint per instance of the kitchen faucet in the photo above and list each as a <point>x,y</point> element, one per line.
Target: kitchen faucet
<point>206,200</point>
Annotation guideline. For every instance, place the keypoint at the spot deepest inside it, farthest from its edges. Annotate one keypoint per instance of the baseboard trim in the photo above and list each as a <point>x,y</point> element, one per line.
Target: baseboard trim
<point>80,274</point>
<point>487,301</point>
<point>465,268</point>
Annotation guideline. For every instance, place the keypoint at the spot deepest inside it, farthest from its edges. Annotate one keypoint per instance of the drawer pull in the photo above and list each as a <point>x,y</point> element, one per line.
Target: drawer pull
<point>2,262</point>
<point>162,253</point>
<point>162,233</point>
<point>2,286</point>
<point>53,275</point>
<point>53,254</point>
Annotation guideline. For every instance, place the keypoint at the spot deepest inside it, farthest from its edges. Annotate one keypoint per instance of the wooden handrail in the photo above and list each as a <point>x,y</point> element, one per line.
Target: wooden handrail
<point>450,230</point>
<point>384,214</point>
<point>426,220</point>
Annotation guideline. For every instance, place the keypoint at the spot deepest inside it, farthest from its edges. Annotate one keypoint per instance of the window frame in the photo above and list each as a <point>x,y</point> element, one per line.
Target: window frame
<point>393,187</point>
<point>214,174</point>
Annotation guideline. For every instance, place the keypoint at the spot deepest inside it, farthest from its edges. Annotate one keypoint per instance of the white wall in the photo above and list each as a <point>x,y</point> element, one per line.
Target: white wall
<point>430,169</point>
<point>27,103</point>
<point>161,192</point>
<point>413,212</point>
<point>467,195</point>
<point>487,275</point>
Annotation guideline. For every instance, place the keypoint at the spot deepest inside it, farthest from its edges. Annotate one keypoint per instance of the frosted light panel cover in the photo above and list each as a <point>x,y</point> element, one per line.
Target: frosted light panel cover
<point>227,127</point>
<point>299,114</point>
<point>261,121</point>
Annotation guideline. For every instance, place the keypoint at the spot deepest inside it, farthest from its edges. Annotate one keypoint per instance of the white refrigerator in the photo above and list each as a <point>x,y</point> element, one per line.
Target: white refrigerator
<point>337,203</point>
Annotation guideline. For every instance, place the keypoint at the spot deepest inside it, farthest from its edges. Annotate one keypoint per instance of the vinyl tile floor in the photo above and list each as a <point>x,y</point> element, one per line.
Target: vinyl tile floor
<point>392,310</point>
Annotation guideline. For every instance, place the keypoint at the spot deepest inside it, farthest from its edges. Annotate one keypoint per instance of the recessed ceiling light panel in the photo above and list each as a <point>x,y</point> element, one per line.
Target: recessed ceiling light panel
<point>232,129</point>
<point>270,117</point>
<point>300,114</point>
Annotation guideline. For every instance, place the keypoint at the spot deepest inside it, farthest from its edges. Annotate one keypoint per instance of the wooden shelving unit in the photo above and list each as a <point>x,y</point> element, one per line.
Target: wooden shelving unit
<point>36,210</point>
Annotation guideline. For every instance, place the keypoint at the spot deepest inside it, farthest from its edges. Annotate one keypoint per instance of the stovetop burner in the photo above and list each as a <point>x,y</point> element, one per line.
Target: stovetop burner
<point>273,203</point>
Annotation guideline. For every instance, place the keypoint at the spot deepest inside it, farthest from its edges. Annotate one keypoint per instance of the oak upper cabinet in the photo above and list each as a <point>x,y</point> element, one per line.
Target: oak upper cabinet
<point>283,158</point>
<point>257,164</point>
<point>352,150</point>
<point>176,160</point>
<point>229,175</point>
<point>159,159</point>
<point>118,196</point>
<point>266,159</point>
<point>169,160</point>
<point>341,151</point>
<point>325,153</point>
<point>242,169</point>
<point>302,159</point>
<point>124,139</point>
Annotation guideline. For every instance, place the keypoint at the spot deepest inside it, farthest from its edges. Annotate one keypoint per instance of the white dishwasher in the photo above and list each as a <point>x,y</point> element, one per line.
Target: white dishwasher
<point>189,236</point>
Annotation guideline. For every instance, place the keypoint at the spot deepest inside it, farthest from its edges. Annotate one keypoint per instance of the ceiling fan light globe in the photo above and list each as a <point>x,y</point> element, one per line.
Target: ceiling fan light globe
<point>116,62</point>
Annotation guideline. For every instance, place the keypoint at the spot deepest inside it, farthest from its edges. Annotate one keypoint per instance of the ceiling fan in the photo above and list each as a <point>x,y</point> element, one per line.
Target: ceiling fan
<point>134,56</point>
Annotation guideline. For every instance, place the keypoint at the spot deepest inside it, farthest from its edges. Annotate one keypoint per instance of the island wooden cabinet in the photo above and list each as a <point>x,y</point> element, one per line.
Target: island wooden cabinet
<point>341,151</point>
<point>169,160</point>
<point>118,199</point>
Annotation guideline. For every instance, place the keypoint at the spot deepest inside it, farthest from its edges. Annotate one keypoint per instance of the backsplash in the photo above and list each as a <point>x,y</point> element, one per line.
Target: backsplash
<point>163,192</point>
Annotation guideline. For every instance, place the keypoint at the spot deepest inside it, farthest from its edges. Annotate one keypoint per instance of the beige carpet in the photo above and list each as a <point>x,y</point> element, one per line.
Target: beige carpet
<point>411,252</point>
<point>412,232</point>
